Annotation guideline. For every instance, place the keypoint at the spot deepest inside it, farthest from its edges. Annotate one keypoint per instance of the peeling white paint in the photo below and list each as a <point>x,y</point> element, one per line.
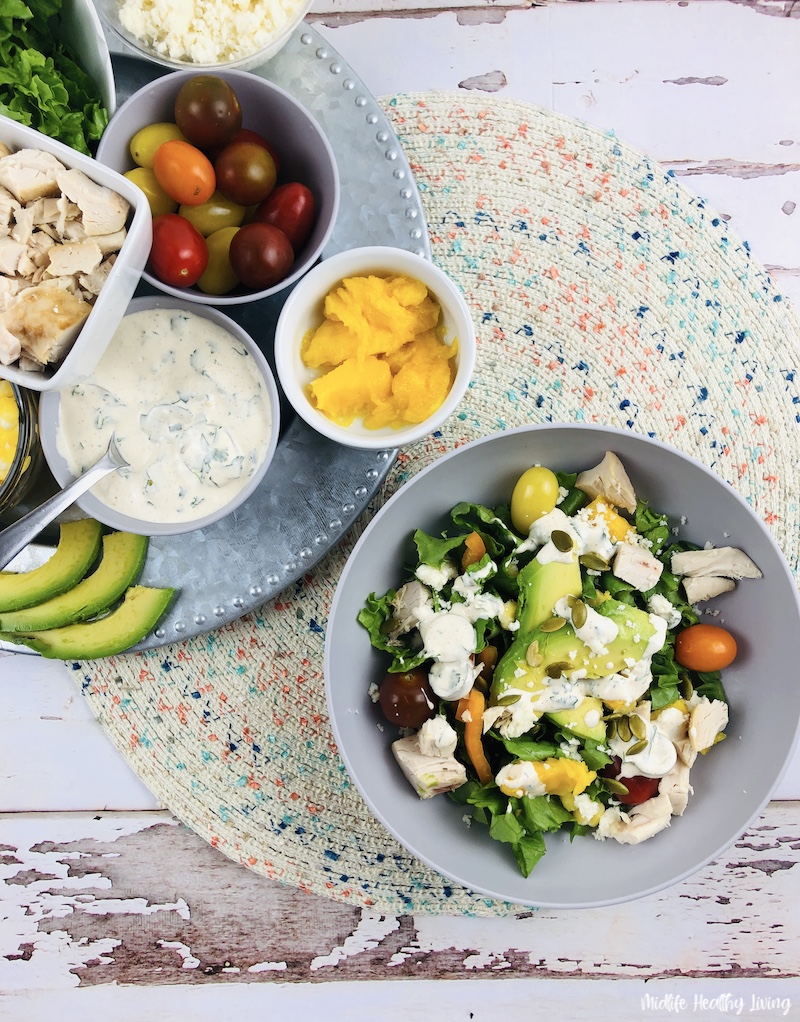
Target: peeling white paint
<point>268,967</point>
<point>371,930</point>
<point>189,961</point>
<point>57,895</point>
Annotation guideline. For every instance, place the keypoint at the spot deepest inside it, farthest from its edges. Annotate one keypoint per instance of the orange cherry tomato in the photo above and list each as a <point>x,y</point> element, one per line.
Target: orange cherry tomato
<point>705,648</point>
<point>185,174</point>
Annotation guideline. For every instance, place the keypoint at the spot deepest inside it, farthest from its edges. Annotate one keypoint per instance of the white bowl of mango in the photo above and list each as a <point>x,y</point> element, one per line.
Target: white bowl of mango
<point>375,347</point>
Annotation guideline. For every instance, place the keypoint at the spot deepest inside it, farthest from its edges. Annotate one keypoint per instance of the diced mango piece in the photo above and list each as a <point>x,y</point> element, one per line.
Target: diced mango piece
<point>618,527</point>
<point>346,391</point>
<point>392,321</point>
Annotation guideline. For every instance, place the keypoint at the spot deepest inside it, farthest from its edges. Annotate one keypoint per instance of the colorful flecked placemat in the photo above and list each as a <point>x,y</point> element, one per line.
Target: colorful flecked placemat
<point>602,291</point>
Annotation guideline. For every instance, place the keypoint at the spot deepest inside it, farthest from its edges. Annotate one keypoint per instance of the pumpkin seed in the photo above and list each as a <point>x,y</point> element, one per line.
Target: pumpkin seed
<point>612,728</point>
<point>533,658</point>
<point>552,624</point>
<point>624,729</point>
<point>508,700</point>
<point>687,689</point>
<point>617,787</point>
<point>637,726</point>
<point>555,670</point>
<point>594,562</point>
<point>635,749</point>
<point>481,685</point>
<point>579,614</point>
<point>562,541</point>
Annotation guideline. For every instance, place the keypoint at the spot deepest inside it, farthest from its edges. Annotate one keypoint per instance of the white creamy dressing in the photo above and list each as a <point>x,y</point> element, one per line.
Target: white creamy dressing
<point>596,632</point>
<point>656,759</point>
<point>189,410</point>
<point>589,535</point>
<point>568,691</point>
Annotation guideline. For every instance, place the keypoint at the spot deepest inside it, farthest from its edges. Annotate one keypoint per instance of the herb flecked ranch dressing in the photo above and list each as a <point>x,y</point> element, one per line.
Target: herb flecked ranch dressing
<point>190,411</point>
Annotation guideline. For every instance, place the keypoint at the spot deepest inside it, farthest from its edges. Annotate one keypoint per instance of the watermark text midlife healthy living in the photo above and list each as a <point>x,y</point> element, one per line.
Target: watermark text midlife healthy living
<point>724,1004</point>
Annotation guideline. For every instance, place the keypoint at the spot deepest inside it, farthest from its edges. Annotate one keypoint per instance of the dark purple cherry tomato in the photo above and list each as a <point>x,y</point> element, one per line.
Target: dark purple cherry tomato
<point>291,209</point>
<point>247,135</point>
<point>407,699</point>
<point>246,173</point>
<point>207,111</point>
<point>260,255</point>
<point>640,788</point>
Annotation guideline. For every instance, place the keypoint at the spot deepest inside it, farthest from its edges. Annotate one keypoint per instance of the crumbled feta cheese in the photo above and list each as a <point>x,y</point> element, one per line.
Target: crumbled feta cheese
<point>204,31</point>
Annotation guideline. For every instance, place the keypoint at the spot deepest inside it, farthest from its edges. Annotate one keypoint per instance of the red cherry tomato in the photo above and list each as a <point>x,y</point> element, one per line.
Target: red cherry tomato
<point>179,253</point>
<point>185,174</point>
<point>246,173</point>
<point>705,648</point>
<point>260,255</point>
<point>291,209</point>
<point>407,699</point>
<point>640,788</point>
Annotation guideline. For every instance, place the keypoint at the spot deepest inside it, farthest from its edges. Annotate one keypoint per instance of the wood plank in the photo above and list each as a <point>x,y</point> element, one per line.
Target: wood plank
<point>476,999</point>
<point>140,899</point>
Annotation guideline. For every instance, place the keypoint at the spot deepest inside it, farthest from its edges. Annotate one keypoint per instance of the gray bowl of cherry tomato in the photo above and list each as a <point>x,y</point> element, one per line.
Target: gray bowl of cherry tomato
<point>241,181</point>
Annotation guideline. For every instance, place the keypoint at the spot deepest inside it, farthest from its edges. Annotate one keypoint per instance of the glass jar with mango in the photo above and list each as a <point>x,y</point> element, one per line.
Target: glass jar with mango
<point>20,448</point>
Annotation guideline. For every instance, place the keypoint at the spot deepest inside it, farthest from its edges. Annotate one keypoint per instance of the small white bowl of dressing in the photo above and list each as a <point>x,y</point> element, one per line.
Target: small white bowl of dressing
<point>193,406</point>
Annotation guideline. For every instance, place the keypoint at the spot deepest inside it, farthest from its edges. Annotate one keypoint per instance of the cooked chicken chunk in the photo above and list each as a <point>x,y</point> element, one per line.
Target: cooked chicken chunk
<point>727,561</point>
<point>428,775</point>
<point>699,588</point>
<point>609,480</point>
<point>706,720</point>
<point>10,348</point>
<point>635,565</point>
<point>103,210</point>
<point>73,257</point>
<point>46,319</point>
<point>637,824</point>
<point>11,252</point>
<point>30,174</point>
<point>675,785</point>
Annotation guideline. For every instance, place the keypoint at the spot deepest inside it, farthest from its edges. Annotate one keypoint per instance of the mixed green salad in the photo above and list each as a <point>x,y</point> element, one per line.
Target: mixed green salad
<point>41,85</point>
<point>547,665</point>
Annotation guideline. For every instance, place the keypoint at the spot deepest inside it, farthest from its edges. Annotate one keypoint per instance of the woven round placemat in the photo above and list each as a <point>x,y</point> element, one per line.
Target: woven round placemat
<point>602,291</point>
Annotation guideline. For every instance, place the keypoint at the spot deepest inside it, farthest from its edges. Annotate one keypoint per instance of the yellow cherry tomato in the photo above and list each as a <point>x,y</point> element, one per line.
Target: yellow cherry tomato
<point>157,198</point>
<point>215,214</point>
<point>144,143</point>
<point>535,494</point>
<point>219,278</point>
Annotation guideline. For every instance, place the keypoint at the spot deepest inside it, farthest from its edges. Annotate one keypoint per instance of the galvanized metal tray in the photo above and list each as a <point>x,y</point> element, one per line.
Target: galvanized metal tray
<point>314,489</point>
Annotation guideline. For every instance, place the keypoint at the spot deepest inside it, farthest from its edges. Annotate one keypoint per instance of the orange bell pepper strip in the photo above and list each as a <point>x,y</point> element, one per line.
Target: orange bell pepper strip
<point>473,733</point>
<point>474,549</point>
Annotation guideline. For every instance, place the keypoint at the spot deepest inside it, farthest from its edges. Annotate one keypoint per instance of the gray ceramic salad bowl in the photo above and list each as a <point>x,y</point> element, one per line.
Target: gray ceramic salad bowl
<point>730,785</point>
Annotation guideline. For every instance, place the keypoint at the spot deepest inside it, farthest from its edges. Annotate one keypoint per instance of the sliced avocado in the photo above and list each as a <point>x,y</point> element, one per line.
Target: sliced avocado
<point>78,547</point>
<point>105,636</point>
<point>541,586</point>
<point>514,670</point>
<point>122,560</point>
<point>575,721</point>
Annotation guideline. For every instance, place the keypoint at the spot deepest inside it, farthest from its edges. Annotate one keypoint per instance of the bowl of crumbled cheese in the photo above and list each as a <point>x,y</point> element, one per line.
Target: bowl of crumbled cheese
<point>204,34</point>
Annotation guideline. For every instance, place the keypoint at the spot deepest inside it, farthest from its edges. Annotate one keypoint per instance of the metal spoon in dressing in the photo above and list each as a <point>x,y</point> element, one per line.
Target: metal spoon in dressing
<point>17,536</point>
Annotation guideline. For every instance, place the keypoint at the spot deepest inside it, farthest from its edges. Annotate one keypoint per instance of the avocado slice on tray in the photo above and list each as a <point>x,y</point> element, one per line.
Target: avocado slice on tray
<point>122,559</point>
<point>115,632</point>
<point>77,550</point>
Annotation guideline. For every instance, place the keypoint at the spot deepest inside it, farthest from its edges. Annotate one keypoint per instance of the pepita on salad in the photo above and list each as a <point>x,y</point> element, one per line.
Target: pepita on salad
<point>554,695</point>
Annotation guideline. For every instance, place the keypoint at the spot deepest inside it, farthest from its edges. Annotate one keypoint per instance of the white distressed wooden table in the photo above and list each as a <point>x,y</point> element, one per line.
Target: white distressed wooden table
<point>112,910</point>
